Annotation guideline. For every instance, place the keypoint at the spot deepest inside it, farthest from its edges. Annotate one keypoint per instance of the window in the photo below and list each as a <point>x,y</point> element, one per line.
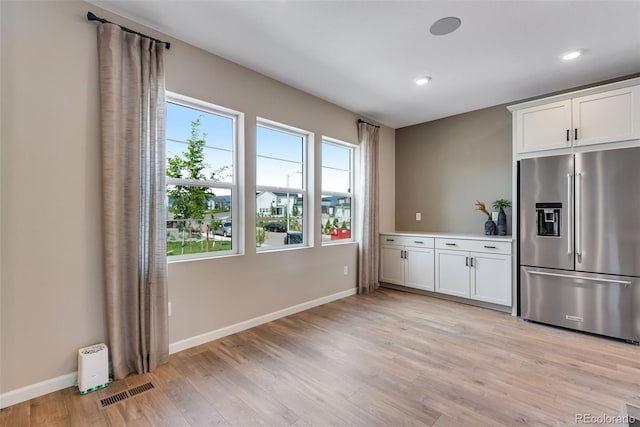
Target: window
<point>201,178</point>
<point>337,190</point>
<point>280,185</point>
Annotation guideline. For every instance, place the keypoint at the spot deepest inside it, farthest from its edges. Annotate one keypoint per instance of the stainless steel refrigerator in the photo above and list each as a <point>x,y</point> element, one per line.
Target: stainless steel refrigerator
<point>579,241</point>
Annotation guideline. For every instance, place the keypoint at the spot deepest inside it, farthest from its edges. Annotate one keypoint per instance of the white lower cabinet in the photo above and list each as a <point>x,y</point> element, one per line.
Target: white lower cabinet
<point>407,261</point>
<point>476,269</point>
<point>491,278</point>
<point>452,277</point>
<point>467,268</point>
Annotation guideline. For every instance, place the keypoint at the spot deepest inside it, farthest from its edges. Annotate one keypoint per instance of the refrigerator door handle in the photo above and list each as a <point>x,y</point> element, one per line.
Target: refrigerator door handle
<point>570,214</point>
<point>578,212</point>
<point>594,279</point>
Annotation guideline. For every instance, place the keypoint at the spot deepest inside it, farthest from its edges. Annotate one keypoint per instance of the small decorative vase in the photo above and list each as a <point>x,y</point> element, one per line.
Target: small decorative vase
<point>490,228</point>
<point>502,223</point>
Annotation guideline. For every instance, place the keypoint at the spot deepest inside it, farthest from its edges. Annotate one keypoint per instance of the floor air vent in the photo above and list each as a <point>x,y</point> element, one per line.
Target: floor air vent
<point>124,395</point>
<point>141,389</point>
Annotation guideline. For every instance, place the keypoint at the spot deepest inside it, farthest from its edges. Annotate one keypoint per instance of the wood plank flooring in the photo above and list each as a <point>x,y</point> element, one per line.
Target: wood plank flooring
<point>386,359</point>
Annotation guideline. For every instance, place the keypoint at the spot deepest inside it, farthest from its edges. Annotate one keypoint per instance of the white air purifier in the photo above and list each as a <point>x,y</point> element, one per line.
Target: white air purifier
<point>93,368</point>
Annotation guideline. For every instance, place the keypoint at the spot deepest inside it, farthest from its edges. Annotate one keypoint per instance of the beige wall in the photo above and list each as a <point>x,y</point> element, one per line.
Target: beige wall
<point>51,266</point>
<point>443,166</point>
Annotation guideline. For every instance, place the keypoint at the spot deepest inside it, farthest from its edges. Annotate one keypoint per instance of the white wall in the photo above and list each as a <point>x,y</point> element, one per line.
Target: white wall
<point>51,266</point>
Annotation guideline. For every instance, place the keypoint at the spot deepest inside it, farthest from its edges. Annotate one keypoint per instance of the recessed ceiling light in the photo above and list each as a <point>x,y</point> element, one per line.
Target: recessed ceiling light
<point>571,55</point>
<point>445,26</point>
<point>423,80</point>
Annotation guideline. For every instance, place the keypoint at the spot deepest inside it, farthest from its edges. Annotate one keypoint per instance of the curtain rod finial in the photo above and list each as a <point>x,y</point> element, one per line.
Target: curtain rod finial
<point>370,124</point>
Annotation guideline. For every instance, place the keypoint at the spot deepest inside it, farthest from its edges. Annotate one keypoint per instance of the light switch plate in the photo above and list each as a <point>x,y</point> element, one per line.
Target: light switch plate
<point>418,216</point>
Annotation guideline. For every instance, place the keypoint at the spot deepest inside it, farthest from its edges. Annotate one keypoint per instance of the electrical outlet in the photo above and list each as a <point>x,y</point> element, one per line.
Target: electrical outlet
<point>169,309</point>
<point>346,270</point>
<point>418,216</point>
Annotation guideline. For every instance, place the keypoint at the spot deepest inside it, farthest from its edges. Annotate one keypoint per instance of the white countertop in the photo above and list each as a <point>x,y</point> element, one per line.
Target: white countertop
<point>440,235</point>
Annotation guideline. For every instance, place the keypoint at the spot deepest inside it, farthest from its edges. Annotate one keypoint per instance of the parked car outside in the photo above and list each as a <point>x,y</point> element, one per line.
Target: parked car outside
<point>293,238</point>
<point>224,229</point>
<point>275,226</point>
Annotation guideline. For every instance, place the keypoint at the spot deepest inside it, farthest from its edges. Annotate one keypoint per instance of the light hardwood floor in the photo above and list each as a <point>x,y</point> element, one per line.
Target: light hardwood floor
<point>387,359</point>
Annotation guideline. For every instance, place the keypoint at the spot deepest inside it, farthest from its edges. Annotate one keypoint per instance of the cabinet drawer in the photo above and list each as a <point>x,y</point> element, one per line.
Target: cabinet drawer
<point>474,245</point>
<point>454,244</point>
<point>490,247</point>
<point>413,241</point>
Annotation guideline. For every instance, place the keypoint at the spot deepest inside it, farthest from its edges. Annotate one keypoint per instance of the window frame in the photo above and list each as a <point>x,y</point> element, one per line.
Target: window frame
<point>235,187</point>
<point>307,144</point>
<point>354,150</point>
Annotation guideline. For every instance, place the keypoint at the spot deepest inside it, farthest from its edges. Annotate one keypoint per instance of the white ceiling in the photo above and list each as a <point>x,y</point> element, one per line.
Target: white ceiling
<point>365,55</point>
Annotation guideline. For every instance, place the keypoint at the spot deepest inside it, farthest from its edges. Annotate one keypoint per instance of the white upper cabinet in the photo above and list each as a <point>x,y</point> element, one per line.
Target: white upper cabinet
<point>543,127</point>
<point>607,117</point>
<point>571,120</point>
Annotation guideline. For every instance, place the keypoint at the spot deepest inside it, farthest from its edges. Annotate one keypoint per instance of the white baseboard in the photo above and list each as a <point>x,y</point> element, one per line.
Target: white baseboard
<point>69,380</point>
<point>256,321</point>
<point>38,389</point>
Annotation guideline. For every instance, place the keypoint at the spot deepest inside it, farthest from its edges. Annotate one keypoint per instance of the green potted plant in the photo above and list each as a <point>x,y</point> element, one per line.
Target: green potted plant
<point>502,216</point>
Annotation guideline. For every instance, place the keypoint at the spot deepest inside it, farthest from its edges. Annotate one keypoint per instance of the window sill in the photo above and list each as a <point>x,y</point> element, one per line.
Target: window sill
<point>182,258</point>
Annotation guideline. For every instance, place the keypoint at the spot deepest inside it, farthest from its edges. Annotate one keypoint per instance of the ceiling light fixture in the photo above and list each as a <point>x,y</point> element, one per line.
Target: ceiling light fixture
<point>571,55</point>
<point>445,26</point>
<point>423,80</point>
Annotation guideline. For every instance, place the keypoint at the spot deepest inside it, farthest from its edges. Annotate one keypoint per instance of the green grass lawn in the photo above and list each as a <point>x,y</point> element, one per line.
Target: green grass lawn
<point>175,248</point>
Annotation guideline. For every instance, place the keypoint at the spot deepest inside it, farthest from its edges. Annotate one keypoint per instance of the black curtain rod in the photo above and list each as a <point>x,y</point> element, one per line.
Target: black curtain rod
<point>92,17</point>
<point>370,124</point>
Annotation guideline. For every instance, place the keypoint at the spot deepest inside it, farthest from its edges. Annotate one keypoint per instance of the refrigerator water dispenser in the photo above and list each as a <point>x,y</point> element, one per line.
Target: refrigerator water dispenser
<point>548,219</point>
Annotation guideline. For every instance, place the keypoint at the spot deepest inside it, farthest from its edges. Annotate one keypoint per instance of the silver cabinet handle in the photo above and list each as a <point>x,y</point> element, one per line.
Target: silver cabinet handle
<point>406,254</point>
<point>593,279</point>
<point>569,200</point>
<point>418,241</point>
<point>390,240</point>
<point>450,244</point>
<point>578,211</point>
<point>466,262</point>
<point>490,247</point>
<point>471,262</point>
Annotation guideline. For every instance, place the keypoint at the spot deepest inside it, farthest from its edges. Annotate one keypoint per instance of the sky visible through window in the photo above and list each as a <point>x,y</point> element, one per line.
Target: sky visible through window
<point>217,131</point>
<point>280,155</point>
<point>336,168</point>
<point>280,158</point>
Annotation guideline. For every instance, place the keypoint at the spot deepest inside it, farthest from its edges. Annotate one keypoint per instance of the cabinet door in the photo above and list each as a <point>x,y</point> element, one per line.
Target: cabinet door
<point>391,265</point>
<point>543,127</point>
<point>419,271</point>
<point>491,278</point>
<point>607,117</point>
<point>452,273</point>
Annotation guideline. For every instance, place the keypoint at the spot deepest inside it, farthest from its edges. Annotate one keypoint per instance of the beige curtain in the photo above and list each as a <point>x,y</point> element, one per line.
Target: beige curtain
<point>132,96</point>
<point>368,248</point>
